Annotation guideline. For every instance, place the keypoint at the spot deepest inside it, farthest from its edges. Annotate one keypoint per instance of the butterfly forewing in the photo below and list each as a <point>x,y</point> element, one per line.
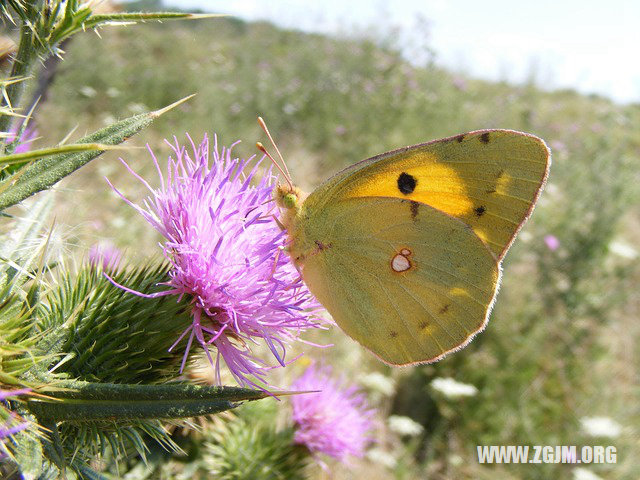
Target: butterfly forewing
<point>489,179</point>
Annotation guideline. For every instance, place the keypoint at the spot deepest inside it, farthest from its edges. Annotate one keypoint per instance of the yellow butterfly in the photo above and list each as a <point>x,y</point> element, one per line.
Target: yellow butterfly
<point>404,249</point>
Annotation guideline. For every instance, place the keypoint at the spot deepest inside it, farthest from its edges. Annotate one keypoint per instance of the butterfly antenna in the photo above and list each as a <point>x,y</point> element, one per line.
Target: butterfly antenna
<point>260,147</point>
<point>263,125</point>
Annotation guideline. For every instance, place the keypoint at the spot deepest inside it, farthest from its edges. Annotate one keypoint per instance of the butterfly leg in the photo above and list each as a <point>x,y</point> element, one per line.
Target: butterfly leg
<point>280,224</point>
<point>275,262</point>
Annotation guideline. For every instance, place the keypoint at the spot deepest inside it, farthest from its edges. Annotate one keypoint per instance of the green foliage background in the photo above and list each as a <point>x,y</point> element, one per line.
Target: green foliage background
<point>562,341</point>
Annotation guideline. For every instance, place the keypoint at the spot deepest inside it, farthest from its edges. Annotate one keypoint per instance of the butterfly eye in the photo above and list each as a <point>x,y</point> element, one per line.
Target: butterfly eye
<point>290,200</point>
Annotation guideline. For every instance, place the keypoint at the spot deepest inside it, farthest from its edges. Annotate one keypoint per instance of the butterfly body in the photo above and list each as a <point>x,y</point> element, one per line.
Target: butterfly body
<point>404,249</point>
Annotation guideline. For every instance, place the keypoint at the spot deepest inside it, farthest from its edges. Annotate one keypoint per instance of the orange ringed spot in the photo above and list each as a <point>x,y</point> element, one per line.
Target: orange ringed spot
<point>400,262</point>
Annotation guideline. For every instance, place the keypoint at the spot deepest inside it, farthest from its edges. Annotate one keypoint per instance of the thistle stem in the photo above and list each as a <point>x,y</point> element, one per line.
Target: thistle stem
<point>21,68</point>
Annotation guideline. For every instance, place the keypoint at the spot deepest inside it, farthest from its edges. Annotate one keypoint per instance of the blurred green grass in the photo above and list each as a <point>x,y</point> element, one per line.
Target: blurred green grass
<point>562,341</point>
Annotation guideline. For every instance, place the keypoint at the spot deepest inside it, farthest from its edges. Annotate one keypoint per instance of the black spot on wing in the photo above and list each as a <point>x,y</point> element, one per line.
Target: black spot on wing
<point>393,334</point>
<point>322,246</point>
<point>480,210</point>
<point>484,138</point>
<point>444,309</point>
<point>460,138</point>
<point>415,206</point>
<point>406,183</point>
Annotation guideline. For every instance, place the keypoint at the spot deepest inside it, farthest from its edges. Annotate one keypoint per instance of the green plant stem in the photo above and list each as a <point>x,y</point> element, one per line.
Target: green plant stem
<point>21,68</point>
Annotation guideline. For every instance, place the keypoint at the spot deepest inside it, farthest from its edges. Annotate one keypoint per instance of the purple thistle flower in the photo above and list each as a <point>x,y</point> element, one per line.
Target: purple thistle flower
<point>336,420</point>
<point>552,242</point>
<point>10,423</point>
<point>227,254</point>
<point>105,255</point>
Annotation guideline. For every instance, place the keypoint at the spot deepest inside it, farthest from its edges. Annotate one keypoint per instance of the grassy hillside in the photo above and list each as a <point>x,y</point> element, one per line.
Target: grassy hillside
<point>561,344</point>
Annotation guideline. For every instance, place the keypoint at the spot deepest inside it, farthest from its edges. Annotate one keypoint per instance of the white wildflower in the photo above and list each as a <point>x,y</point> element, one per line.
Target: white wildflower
<point>452,388</point>
<point>404,425</point>
<point>88,91</point>
<point>382,457</point>
<point>581,473</point>
<point>601,427</point>
<point>113,92</point>
<point>623,250</point>
<point>378,382</point>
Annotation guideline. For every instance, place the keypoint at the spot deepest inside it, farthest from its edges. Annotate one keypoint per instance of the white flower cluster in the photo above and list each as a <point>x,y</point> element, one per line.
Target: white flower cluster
<point>451,388</point>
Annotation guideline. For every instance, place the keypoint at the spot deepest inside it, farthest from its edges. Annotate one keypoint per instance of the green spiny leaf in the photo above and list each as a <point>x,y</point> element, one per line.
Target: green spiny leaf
<point>137,17</point>
<point>104,402</point>
<point>46,172</point>
<point>76,390</point>
<point>26,157</point>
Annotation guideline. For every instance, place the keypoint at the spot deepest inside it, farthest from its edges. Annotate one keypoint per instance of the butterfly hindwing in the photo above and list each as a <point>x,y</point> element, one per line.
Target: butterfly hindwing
<point>488,179</point>
<point>407,281</point>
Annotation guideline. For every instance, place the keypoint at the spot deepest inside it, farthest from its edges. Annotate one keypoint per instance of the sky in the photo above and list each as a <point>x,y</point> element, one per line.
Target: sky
<point>591,46</point>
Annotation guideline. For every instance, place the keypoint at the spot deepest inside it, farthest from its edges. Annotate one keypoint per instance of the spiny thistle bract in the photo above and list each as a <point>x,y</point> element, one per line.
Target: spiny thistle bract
<point>110,336</point>
<point>249,447</point>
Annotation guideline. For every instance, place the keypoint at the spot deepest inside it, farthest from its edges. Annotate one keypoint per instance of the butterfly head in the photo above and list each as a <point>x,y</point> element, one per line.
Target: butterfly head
<point>288,197</point>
